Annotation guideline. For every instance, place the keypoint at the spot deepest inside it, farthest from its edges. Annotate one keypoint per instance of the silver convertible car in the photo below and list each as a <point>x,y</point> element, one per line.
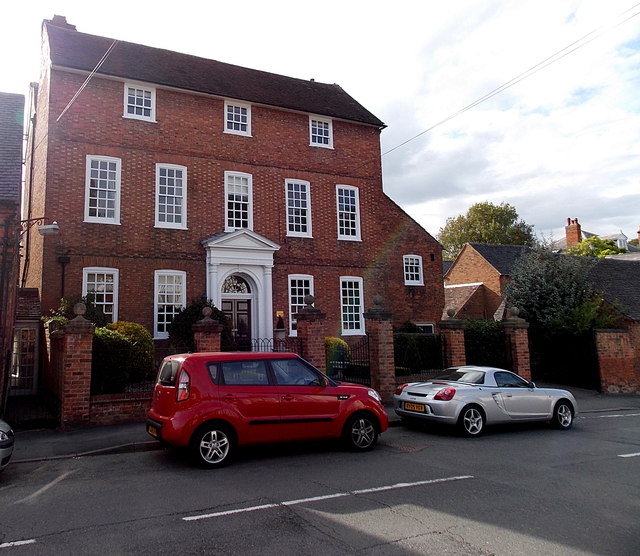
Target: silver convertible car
<point>472,397</point>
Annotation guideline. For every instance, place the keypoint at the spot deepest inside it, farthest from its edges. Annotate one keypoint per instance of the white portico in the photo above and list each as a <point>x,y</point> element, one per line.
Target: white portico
<point>239,279</point>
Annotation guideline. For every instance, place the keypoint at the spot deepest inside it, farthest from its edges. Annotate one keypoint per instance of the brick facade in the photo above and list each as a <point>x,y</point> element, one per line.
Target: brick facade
<point>188,131</point>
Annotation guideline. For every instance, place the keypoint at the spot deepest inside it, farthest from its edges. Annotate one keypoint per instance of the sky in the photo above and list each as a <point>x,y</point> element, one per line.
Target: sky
<point>562,142</point>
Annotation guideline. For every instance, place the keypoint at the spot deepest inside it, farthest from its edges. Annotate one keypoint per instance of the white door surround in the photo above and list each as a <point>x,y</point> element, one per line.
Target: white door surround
<point>249,255</point>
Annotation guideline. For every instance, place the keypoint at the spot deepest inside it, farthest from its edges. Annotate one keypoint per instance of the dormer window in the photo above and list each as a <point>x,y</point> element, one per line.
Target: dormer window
<point>139,102</point>
<point>622,241</point>
<point>321,132</point>
<point>237,118</point>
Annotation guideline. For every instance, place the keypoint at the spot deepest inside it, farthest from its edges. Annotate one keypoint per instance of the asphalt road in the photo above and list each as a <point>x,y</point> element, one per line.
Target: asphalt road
<point>516,490</point>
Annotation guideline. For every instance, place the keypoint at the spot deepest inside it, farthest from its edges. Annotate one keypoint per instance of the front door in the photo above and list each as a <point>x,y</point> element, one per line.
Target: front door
<point>238,311</point>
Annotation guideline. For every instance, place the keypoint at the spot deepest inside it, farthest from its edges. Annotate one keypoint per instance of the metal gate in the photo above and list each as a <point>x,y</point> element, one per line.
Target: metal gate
<point>352,364</point>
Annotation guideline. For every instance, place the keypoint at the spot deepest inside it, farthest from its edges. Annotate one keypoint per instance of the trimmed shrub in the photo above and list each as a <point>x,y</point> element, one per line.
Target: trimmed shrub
<point>140,364</point>
<point>109,369</point>
<point>180,329</point>
<point>485,343</point>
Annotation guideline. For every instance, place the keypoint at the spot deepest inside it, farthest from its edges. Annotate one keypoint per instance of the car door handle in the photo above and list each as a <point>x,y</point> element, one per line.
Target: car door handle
<point>287,398</point>
<point>509,395</point>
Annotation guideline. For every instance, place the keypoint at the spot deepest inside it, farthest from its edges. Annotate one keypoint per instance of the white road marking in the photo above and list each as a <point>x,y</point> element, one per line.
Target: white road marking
<point>44,488</point>
<point>16,543</point>
<point>610,416</point>
<point>637,454</point>
<point>326,497</point>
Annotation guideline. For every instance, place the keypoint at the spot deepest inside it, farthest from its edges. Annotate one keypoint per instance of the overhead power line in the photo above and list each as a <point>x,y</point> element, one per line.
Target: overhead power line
<point>583,41</point>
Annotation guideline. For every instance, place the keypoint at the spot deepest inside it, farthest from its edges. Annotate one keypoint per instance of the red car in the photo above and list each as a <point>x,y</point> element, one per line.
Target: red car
<point>213,402</point>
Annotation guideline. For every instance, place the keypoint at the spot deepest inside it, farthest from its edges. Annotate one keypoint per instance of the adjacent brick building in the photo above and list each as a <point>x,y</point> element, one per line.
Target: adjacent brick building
<point>11,138</point>
<point>174,177</point>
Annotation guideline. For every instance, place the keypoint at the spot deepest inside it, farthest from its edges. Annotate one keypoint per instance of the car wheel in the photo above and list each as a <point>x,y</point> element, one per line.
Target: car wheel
<point>563,415</point>
<point>471,421</point>
<point>361,432</point>
<point>213,445</point>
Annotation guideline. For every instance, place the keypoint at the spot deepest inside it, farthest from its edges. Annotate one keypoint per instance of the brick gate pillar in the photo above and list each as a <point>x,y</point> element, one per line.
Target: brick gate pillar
<point>207,332</point>
<point>75,387</point>
<point>517,331</point>
<point>618,362</point>
<point>381,357</point>
<point>453,351</point>
<point>311,330</point>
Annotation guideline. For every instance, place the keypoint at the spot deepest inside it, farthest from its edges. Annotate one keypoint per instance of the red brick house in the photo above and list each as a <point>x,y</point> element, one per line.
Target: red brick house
<point>475,282</point>
<point>11,136</point>
<point>174,177</point>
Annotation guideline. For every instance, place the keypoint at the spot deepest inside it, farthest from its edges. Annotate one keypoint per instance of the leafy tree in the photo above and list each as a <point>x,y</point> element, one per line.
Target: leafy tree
<point>64,313</point>
<point>553,292</point>
<point>634,242</point>
<point>595,247</point>
<point>485,223</point>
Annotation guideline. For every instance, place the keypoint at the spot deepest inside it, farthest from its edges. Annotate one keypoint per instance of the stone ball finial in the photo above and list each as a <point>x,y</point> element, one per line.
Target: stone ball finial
<point>513,312</point>
<point>451,312</point>
<point>377,301</point>
<point>79,309</point>
<point>309,300</point>
<point>206,312</point>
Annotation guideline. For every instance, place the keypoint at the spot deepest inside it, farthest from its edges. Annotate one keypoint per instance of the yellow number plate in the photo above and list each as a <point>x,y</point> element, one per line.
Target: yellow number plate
<point>414,407</point>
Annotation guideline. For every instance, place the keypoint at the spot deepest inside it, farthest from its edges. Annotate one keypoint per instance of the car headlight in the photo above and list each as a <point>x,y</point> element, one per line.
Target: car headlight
<point>3,436</point>
<point>374,395</point>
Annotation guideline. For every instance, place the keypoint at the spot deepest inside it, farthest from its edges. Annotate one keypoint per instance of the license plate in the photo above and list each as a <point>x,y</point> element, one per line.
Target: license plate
<point>419,407</point>
<point>153,431</point>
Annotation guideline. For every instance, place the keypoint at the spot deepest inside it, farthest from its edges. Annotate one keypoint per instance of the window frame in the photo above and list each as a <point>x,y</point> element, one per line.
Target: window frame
<point>226,120</point>
<point>183,213</point>
<point>359,331</point>
<point>227,226</point>
<point>292,322</point>
<point>87,190</point>
<point>357,235</point>
<point>290,220</point>
<point>157,334</point>
<point>417,264</point>
<point>116,284</point>
<point>146,89</point>
<point>313,120</point>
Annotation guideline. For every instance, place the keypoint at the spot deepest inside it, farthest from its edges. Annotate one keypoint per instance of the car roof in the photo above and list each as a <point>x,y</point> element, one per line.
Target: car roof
<point>232,355</point>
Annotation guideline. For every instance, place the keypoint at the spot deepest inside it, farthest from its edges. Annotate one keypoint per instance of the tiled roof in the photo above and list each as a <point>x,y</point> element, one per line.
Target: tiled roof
<point>11,133</point>
<point>619,282</point>
<point>501,257</point>
<point>80,51</point>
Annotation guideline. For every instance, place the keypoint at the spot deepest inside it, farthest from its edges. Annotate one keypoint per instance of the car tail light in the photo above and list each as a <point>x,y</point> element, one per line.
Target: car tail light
<point>184,386</point>
<point>400,388</point>
<point>445,394</point>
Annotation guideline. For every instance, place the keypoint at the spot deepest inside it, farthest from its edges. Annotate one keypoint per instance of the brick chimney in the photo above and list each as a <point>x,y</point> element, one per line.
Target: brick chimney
<point>60,21</point>
<point>573,232</point>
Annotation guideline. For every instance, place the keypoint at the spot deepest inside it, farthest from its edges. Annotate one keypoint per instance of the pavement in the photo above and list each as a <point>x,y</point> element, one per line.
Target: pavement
<point>51,444</point>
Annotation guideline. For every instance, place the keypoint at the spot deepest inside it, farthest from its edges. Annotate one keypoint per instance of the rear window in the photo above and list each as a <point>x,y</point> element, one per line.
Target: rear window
<point>168,372</point>
<point>470,377</point>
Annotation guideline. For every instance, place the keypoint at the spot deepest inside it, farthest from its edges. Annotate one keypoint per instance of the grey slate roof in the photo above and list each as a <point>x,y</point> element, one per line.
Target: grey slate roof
<point>619,282</point>
<point>501,257</point>
<point>80,51</point>
<point>11,133</point>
